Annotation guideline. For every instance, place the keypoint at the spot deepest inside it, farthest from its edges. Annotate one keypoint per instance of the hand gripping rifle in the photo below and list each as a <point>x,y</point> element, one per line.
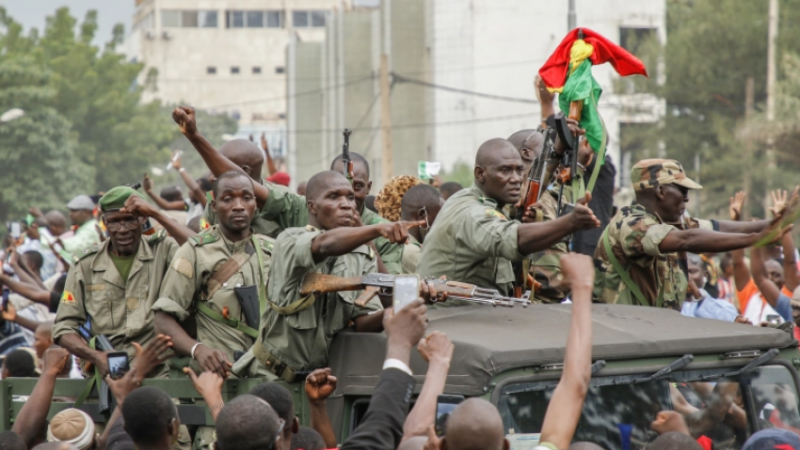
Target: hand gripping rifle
<point>347,163</point>
<point>378,283</point>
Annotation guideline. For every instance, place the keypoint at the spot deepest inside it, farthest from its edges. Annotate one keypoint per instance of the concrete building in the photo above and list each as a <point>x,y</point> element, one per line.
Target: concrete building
<point>490,47</point>
<point>225,55</point>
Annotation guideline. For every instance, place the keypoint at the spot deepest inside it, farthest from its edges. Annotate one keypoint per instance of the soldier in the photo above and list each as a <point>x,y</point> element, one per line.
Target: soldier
<point>218,279</point>
<point>296,330</point>
<point>286,208</point>
<point>473,241</point>
<point>111,287</point>
<point>637,259</point>
<point>420,203</point>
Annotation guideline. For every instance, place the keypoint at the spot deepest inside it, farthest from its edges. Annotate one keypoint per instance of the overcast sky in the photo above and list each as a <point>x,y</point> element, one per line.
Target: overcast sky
<point>32,13</point>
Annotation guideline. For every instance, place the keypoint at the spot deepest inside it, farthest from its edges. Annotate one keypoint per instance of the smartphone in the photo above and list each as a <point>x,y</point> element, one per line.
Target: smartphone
<point>16,230</point>
<point>445,404</point>
<point>773,319</point>
<point>118,364</point>
<point>406,290</point>
<point>6,294</point>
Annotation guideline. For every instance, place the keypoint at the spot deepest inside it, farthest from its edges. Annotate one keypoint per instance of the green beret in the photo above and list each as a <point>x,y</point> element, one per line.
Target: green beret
<point>115,198</point>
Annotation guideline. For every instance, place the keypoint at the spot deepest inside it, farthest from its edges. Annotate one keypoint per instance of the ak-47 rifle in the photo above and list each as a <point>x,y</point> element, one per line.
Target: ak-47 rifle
<point>378,283</point>
<point>347,163</point>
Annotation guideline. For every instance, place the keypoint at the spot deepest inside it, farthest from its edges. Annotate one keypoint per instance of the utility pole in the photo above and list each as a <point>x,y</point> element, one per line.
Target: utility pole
<point>572,16</point>
<point>771,77</point>
<point>747,182</point>
<point>386,120</point>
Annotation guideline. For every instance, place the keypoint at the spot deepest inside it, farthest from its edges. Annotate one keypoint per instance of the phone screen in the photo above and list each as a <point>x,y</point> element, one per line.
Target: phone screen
<point>774,319</point>
<point>16,231</point>
<point>444,407</point>
<point>406,290</point>
<point>118,364</point>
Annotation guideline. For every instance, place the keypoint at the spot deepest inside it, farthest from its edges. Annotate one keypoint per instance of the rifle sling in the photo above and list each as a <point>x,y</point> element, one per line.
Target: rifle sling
<point>296,306</point>
<point>233,323</point>
<point>273,364</point>
<point>623,274</point>
<point>227,269</point>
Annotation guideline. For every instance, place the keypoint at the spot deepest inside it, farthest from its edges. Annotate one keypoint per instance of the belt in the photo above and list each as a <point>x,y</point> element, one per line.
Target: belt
<point>274,365</point>
<point>241,326</point>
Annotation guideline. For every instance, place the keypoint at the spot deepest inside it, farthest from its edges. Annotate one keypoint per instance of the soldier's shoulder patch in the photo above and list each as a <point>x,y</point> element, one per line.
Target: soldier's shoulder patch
<point>67,297</point>
<point>205,237</point>
<point>266,243</point>
<point>157,237</point>
<point>183,267</point>
<point>85,252</point>
<point>487,201</point>
<point>491,212</point>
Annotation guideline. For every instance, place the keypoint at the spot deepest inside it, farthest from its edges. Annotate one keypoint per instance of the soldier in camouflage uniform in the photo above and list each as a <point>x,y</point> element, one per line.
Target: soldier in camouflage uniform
<point>282,207</point>
<point>111,287</point>
<point>205,274</point>
<point>474,242</point>
<point>296,330</point>
<point>642,267</point>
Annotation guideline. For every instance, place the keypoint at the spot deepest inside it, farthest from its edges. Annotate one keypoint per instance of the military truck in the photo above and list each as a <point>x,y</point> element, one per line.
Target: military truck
<point>645,360</point>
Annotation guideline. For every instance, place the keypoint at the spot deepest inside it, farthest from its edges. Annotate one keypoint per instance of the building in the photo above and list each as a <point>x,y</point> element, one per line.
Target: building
<point>225,55</point>
<point>462,73</point>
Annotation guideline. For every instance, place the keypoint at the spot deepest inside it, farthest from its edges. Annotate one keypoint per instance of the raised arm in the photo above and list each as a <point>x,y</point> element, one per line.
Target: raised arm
<point>217,163</point>
<point>538,236</point>
<point>698,240</point>
<point>29,291</point>
<point>32,418</point>
<point>768,289</point>
<point>320,384</point>
<point>140,207</point>
<point>790,275</point>
<point>22,271</point>
<point>545,99</point>
<point>176,205</point>
<point>566,405</point>
<point>437,350</point>
<point>190,182</point>
<point>271,169</point>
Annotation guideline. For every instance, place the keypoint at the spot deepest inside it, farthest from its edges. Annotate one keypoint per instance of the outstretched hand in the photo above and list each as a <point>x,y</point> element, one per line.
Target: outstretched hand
<point>186,118</point>
<point>737,205</point>
<point>582,216</point>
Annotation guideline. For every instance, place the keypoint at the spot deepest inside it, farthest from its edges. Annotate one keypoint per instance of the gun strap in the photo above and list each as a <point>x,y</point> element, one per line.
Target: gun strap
<point>233,265</point>
<point>295,307</point>
<point>273,364</point>
<point>94,381</point>
<point>233,323</point>
<point>623,274</point>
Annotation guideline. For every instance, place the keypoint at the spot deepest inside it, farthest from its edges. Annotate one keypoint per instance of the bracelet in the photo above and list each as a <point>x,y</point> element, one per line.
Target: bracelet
<point>194,347</point>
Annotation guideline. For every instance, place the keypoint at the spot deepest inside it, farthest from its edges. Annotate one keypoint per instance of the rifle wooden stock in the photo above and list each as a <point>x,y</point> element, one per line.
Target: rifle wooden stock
<point>323,284</point>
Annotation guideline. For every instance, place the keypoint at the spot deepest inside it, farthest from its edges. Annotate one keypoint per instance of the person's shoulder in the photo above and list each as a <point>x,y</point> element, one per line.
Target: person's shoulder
<point>370,217</point>
<point>266,243</point>
<point>157,238</point>
<point>205,237</point>
<point>292,233</point>
<point>82,257</point>
<point>632,219</point>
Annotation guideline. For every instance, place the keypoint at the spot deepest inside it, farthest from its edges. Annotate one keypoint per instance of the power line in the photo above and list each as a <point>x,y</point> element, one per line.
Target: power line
<point>403,79</point>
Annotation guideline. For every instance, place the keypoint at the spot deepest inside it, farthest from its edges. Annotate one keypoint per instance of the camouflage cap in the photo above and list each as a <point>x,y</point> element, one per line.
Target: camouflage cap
<point>651,173</point>
<point>115,198</point>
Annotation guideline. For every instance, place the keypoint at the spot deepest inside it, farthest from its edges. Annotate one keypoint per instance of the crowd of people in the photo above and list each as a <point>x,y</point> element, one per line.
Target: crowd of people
<point>215,277</point>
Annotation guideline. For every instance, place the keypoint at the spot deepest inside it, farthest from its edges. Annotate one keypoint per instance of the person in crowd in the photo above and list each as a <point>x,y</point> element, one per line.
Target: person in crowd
<point>473,241</point>
<point>169,199</point>
<point>43,338</point>
<point>637,260</point>
<point>529,144</point>
<point>772,439</point>
<point>208,275</point>
<point>301,188</point>
<point>249,423</point>
<point>699,303</point>
<point>725,280</point>
<point>308,439</point>
<point>280,399</point>
<point>112,287</point>
<point>294,334</point>
<point>388,200</point>
<point>284,207</point>
<point>19,363</point>
<point>674,440</point>
<point>150,419</point>
<point>81,215</point>
<point>420,203</point>
<point>33,242</point>
<point>449,188</point>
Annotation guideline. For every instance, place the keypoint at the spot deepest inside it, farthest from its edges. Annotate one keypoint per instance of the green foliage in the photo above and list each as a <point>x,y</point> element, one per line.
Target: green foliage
<point>461,174</point>
<point>85,128</point>
<point>712,48</point>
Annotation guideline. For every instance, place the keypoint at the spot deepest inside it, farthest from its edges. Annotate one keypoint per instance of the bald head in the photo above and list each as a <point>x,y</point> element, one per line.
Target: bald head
<point>320,181</point>
<point>529,144</point>
<point>490,152</point>
<point>499,171</point>
<point>56,222</point>
<point>475,424</point>
<point>246,155</point>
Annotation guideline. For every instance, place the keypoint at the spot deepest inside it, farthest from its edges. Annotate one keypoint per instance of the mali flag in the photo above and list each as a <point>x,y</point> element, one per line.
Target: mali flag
<point>568,71</point>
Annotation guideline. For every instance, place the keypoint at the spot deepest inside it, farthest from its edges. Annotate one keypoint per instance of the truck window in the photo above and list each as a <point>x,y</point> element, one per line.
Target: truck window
<point>727,410</point>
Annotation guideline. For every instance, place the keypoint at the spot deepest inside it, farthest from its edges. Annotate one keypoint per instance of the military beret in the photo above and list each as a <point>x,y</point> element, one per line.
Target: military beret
<point>115,198</point>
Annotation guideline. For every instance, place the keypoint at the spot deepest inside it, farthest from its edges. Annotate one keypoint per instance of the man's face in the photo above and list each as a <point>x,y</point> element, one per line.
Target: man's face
<point>335,206</point>
<point>124,232</point>
<point>774,272</point>
<point>501,179</point>
<point>79,216</point>
<point>361,183</point>
<point>531,148</point>
<point>672,204</point>
<point>235,204</point>
<point>433,211</point>
<point>696,274</point>
<point>41,342</point>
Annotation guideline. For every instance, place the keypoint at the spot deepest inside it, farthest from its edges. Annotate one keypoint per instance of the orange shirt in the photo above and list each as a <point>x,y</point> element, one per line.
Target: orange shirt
<point>750,290</point>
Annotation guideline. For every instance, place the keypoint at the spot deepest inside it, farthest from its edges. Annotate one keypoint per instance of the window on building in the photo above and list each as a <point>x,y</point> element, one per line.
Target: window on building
<point>188,18</point>
<point>279,69</point>
<point>256,70</point>
<point>306,19</point>
<point>300,19</point>
<point>254,19</point>
<point>235,70</point>
<point>317,19</point>
<point>211,70</point>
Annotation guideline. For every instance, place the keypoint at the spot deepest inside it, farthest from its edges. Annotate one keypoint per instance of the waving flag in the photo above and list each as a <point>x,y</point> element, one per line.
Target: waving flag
<point>568,71</point>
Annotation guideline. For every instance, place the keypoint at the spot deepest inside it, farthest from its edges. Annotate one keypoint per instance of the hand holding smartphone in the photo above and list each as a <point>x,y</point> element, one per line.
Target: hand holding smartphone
<point>118,364</point>
<point>406,290</point>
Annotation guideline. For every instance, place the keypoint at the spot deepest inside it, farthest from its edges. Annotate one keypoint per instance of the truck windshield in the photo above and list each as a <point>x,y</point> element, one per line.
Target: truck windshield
<point>726,410</point>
